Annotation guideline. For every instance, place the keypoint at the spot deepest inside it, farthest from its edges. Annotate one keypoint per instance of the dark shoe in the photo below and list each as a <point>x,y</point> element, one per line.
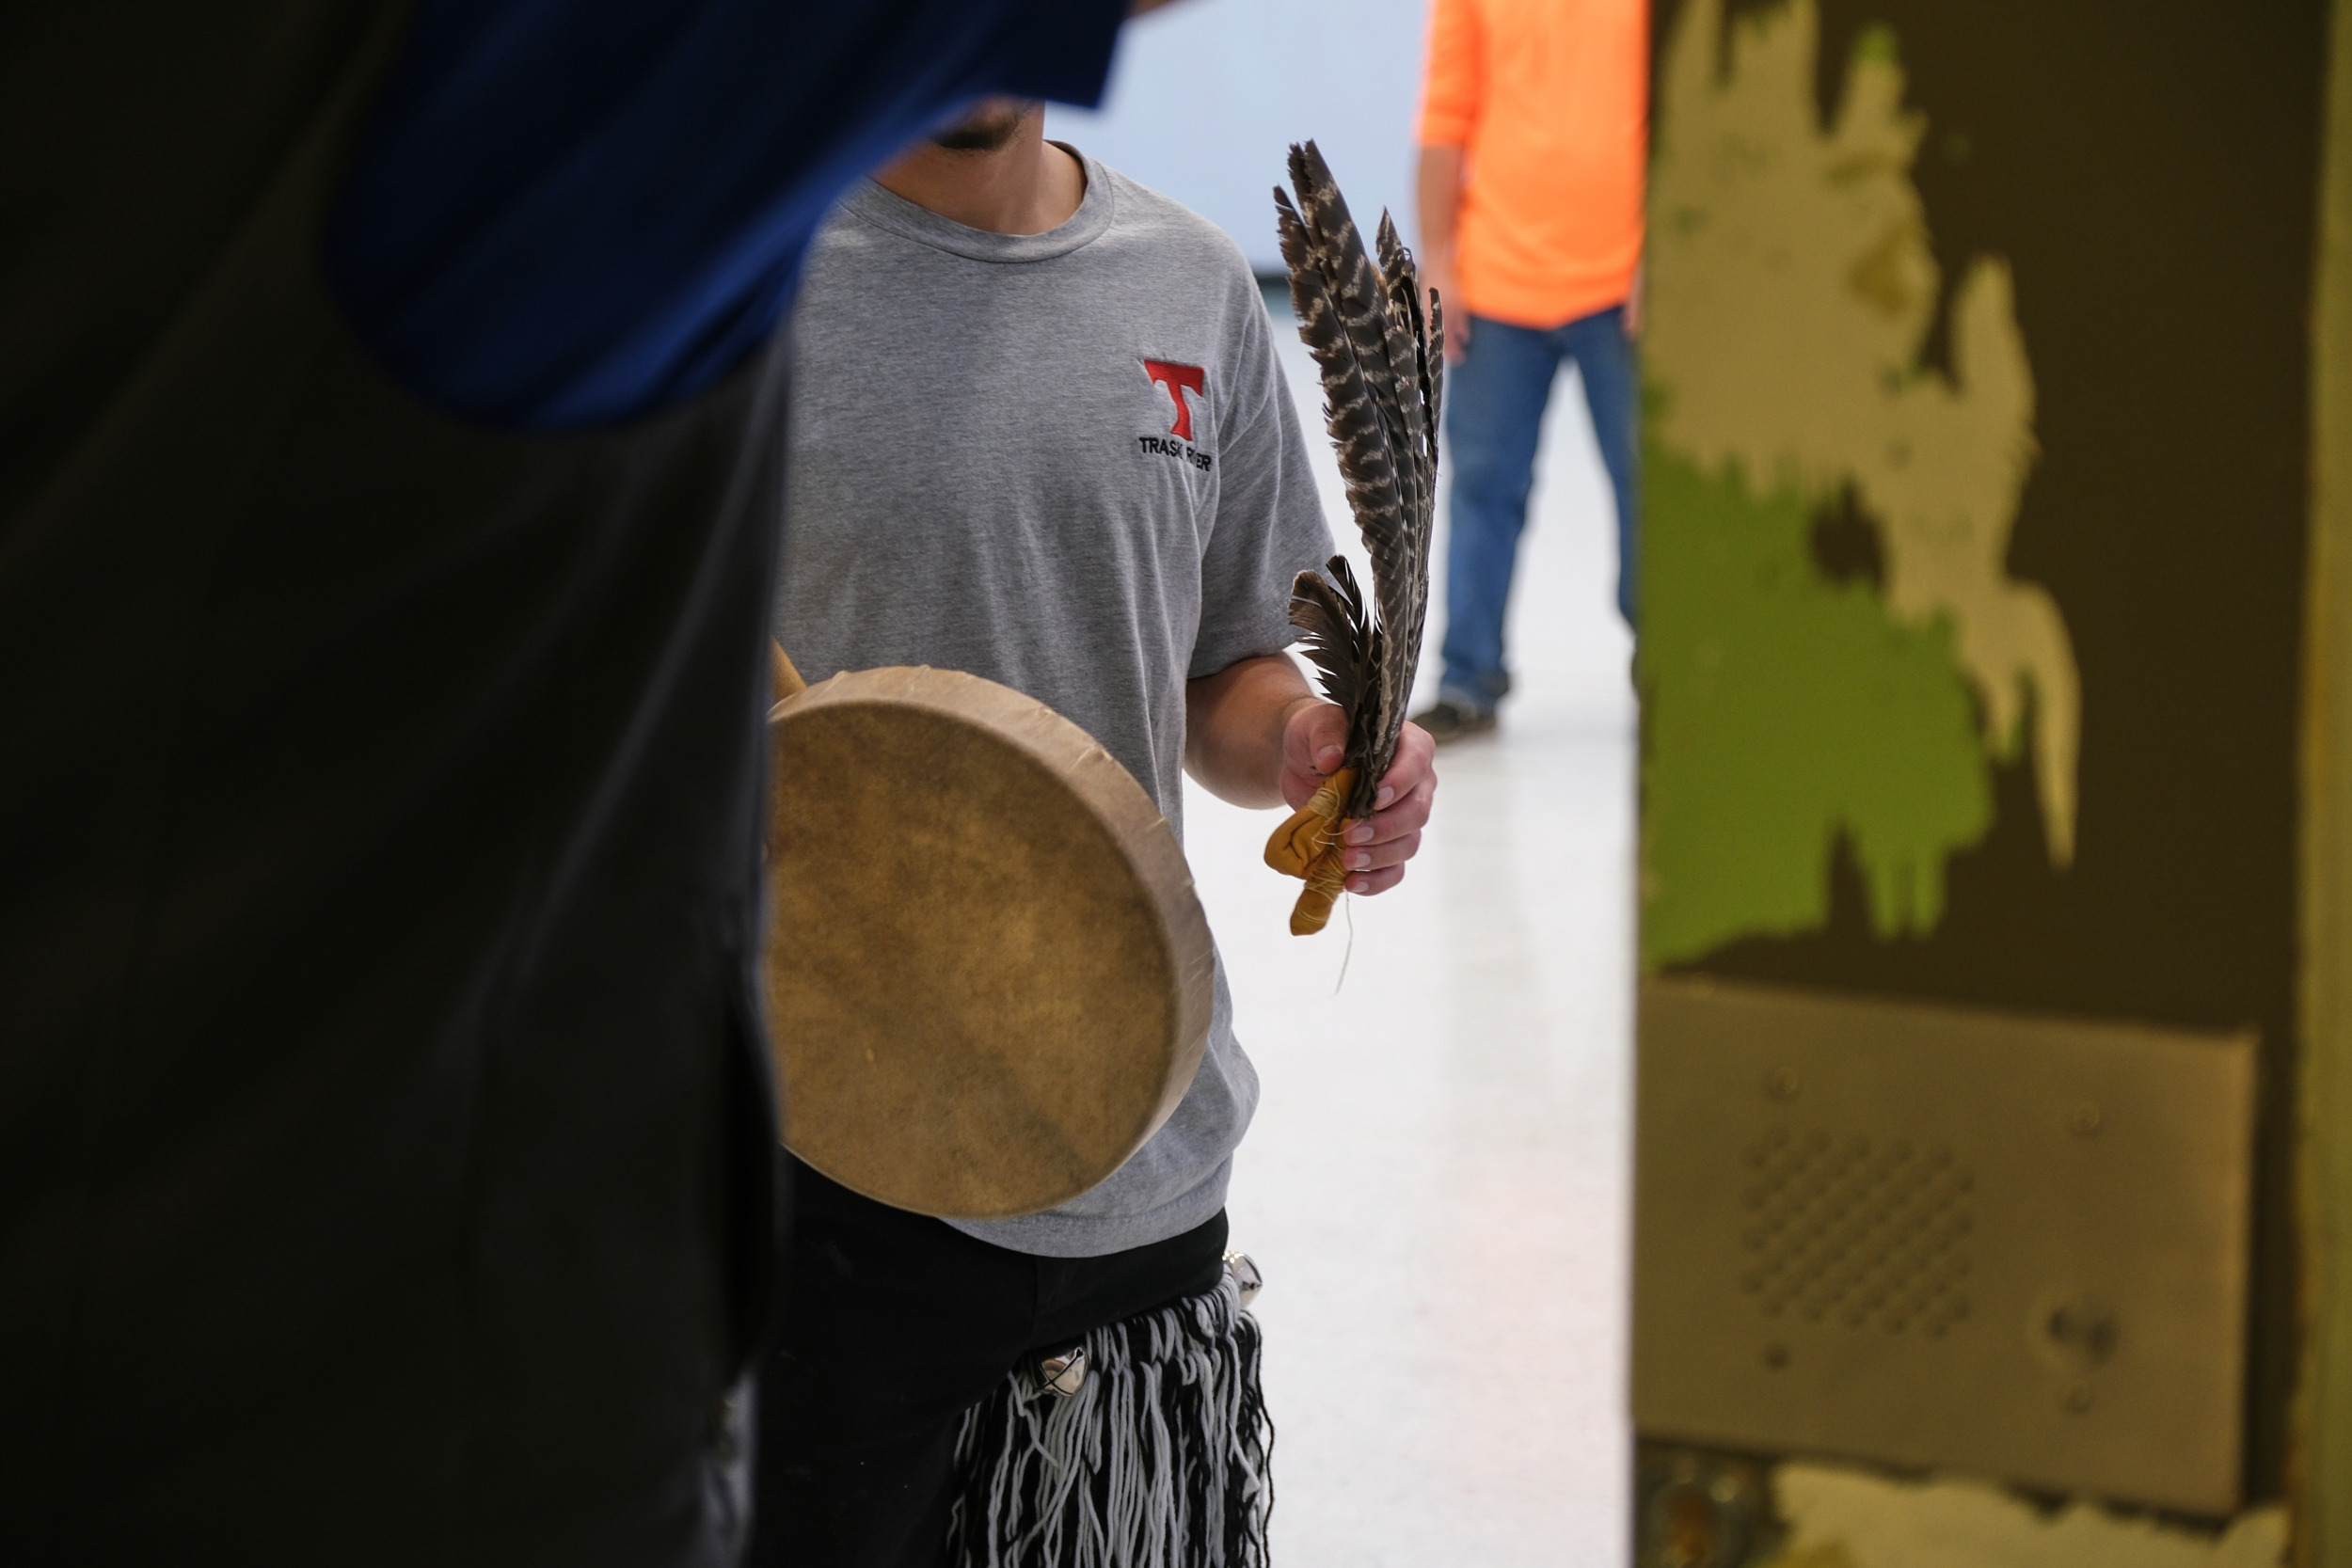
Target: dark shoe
<point>1447,721</point>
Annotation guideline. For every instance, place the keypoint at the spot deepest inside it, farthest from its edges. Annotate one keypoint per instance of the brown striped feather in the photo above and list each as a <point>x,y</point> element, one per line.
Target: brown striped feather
<point>1382,382</point>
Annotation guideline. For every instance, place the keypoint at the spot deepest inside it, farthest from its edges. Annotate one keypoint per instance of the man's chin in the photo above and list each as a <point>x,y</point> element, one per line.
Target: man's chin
<point>984,132</point>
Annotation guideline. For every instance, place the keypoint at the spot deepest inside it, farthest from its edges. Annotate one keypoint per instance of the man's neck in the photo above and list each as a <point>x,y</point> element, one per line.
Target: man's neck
<point>1026,186</point>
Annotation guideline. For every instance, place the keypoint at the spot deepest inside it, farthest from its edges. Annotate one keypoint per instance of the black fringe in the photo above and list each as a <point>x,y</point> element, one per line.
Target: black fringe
<point>1161,1459</point>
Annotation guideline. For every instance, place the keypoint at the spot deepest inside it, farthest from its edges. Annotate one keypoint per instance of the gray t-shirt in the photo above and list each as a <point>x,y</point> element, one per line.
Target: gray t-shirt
<point>1066,461</point>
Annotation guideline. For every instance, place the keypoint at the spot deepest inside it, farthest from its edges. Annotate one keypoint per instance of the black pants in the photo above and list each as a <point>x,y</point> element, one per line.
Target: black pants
<point>892,1326</point>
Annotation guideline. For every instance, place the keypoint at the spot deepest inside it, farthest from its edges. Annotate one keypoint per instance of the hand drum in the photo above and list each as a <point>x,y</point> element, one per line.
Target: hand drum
<point>988,979</point>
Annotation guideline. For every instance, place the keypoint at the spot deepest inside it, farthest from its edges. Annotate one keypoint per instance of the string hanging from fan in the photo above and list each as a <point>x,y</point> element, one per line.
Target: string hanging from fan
<point>1383,376</point>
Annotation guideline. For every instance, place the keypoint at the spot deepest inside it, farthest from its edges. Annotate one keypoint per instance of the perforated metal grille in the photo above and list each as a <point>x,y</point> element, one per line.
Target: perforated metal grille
<point>1871,1235</point>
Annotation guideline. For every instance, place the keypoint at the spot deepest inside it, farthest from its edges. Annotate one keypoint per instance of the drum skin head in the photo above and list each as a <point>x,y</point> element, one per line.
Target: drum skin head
<point>988,979</point>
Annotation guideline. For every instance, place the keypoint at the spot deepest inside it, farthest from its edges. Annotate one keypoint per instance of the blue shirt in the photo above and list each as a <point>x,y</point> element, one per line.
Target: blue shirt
<point>574,213</point>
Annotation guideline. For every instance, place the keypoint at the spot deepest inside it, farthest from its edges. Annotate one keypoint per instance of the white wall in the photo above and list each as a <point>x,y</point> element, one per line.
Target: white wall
<point>1206,96</point>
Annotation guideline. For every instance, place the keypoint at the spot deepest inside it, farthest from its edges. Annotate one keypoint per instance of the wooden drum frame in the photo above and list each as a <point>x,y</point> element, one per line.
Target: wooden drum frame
<point>988,979</point>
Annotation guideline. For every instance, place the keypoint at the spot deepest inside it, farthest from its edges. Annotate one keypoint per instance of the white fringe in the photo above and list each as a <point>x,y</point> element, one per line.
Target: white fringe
<point>1160,1460</point>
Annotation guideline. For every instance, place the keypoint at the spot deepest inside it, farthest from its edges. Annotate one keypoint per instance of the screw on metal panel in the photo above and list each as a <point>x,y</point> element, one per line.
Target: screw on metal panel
<point>2079,1331</point>
<point>1781,1084</point>
<point>2085,1118</point>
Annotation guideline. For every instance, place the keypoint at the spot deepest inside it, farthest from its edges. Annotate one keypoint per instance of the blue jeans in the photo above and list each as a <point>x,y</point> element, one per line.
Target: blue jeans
<point>1495,398</point>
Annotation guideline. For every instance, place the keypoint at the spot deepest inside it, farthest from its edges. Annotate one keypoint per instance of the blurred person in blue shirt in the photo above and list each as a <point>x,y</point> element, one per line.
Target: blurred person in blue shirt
<point>387,530</point>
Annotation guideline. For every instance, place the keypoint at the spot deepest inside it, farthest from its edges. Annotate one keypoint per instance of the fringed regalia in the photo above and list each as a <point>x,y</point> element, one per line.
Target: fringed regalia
<point>1153,1455</point>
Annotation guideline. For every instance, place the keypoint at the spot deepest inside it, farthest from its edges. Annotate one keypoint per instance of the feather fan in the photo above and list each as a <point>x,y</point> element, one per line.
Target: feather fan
<point>1382,382</point>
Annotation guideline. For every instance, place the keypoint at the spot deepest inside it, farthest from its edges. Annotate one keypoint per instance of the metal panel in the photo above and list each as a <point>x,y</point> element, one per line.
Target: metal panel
<point>1940,1238</point>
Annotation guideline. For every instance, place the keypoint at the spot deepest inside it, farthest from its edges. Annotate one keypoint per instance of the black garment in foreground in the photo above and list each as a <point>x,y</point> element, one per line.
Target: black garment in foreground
<point>384,1149</point>
<point>385,1143</point>
<point>891,1326</point>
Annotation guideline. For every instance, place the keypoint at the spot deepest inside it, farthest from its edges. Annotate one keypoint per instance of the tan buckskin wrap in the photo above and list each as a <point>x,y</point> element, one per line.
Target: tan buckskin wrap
<point>1307,845</point>
<point>989,978</point>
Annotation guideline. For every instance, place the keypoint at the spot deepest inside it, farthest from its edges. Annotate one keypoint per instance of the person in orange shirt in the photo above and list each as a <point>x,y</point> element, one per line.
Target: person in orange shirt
<point>1532,135</point>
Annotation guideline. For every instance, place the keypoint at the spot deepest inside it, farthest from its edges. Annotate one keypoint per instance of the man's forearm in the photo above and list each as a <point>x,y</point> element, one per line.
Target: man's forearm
<point>1233,728</point>
<point>1438,194</point>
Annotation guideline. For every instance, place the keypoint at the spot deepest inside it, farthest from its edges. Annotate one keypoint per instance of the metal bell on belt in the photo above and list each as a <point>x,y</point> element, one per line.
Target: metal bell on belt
<point>1066,1373</point>
<point>1248,1281</point>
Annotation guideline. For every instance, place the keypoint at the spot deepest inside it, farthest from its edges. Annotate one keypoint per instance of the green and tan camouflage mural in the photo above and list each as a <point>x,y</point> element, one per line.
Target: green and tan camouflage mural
<point>1792,706</point>
<point>1976,499</point>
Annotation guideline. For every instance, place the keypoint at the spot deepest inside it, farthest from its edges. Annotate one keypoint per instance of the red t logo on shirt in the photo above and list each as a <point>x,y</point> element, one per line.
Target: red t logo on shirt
<point>1176,378</point>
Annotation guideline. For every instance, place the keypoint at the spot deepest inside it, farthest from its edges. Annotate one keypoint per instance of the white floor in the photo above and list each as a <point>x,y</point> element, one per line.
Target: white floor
<point>1437,1184</point>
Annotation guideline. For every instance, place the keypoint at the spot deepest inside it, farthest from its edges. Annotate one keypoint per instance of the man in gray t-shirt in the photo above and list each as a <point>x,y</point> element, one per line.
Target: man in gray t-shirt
<point>1039,432</point>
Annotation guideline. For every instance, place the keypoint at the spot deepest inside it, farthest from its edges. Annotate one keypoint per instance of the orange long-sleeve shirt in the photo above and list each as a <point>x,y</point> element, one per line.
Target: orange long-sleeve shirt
<point>1548,99</point>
